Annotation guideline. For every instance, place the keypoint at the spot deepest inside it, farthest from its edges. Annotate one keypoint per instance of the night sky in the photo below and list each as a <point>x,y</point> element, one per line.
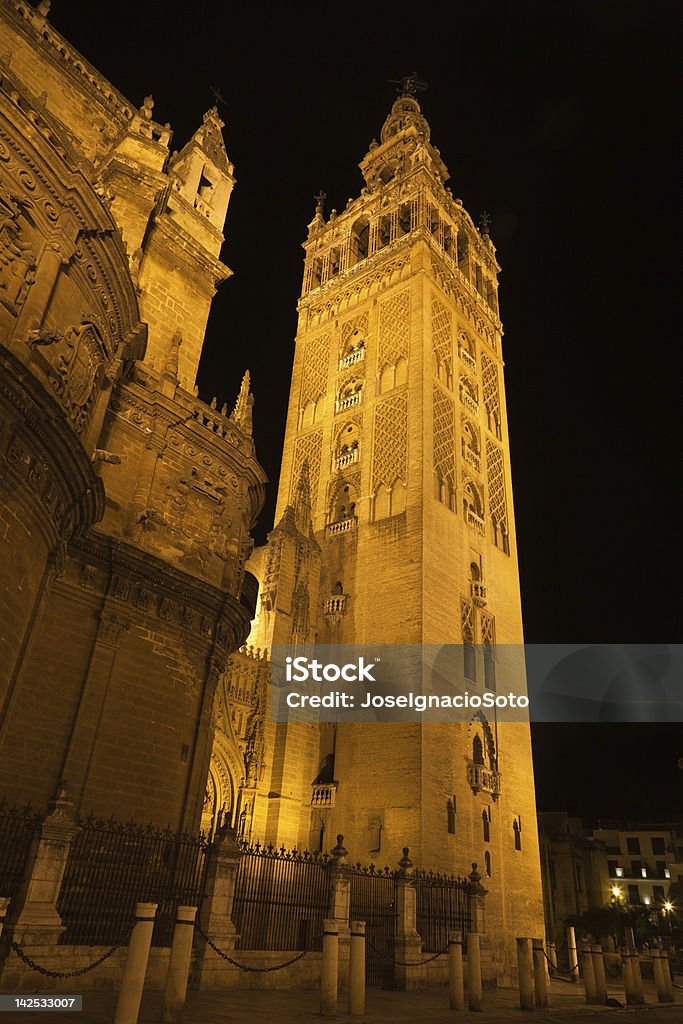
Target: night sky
<point>561,121</point>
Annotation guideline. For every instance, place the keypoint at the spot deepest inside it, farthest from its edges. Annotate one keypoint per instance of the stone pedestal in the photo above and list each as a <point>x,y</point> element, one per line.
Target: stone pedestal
<point>33,919</point>
<point>408,944</point>
<point>339,905</point>
<point>215,914</point>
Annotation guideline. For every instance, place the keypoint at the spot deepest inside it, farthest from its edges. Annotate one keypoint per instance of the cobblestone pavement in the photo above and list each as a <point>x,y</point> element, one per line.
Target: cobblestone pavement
<point>428,1006</point>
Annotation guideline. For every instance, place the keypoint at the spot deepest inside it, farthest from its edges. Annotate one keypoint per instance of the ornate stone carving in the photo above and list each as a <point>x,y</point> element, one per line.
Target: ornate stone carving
<point>17,262</point>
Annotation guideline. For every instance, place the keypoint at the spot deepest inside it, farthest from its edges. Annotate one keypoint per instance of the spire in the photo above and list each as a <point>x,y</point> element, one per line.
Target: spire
<point>302,500</point>
<point>241,414</point>
<point>318,221</point>
<point>171,366</point>
<point>210,138</point>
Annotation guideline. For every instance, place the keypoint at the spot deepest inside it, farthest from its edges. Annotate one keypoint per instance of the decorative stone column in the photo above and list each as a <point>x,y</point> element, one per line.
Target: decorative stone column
<point>477,905</point>
<point>33,919</point>
<point>215,915</point>
<point>339,905</point>
<point>408,944</point>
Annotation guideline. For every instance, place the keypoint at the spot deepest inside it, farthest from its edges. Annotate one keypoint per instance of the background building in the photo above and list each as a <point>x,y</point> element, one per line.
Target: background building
<point>584,868</point>
<point>125,501</point>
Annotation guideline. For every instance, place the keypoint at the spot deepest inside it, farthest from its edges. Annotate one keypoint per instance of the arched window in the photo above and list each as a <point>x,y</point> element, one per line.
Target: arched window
<point>517,829</point>
<point>450,812</point>
<point>477,749</point>
<point>486,823</point>
<point>404,219</point>
<point>359,241</point>
<point>487,863</point>
<point>383,231</point>
<point>344,504</point>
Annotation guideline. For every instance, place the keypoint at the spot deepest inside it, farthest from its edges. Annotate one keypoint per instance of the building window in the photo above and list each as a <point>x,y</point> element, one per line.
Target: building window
<point>477,750</point>
<point>633,844</point>
<point>633,894</point>
<point>579,878</point>
<point>658,893</point>
<point>517,829</point>
<point>450,810</point>
<point>487,863</point>
<point>658,847</point>
<point>636,869</point>
<point>470,664</point>
<point>612,868</point>
<point>486,822</point>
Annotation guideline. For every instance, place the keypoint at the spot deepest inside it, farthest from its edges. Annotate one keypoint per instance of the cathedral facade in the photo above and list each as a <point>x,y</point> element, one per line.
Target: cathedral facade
<point>125,501</point>
<point>395,525</point>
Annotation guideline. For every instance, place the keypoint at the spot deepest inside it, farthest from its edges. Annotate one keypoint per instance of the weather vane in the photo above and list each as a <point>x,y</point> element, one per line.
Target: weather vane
<point>485,223</point>
<point>320,202</point>
<point>409,85</point>
<point>218,96</point>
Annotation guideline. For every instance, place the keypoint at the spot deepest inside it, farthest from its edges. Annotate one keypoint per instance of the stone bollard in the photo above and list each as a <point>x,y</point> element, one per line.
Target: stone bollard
<point>357,969</point>
<point>599,974</point>
<point>525,971</point>
<point>552,957</point>
<point>329,969</point>
<point>662,974</point>
<point>572,955</point>
<point>588,973</point>
<point>133,981</point>
<point>540,973</point>
<point>627,972</point>
<point>456,979</point>
<point>474,987</point>
<point>637,976</point>
<point>178,966</point>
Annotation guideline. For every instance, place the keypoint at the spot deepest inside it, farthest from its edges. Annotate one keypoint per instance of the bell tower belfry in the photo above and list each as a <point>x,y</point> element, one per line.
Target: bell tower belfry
<point>397,411</point>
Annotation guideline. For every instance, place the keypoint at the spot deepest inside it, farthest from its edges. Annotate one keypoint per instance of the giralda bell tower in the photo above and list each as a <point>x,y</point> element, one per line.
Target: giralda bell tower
<point>397,426</point>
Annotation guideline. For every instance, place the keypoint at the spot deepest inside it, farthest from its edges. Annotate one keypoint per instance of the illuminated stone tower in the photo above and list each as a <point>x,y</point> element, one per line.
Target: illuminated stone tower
<point>397,420</point>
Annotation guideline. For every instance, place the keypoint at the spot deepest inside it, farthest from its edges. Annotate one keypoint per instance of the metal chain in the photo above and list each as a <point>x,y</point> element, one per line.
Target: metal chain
<point>402,963</point>
<point>64,974</point>
<point>558,972</point>
<point>255,970</point>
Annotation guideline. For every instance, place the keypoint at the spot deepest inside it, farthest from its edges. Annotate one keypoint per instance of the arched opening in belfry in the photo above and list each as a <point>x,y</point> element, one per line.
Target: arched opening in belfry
<point>383,231</point>
<point>359,240</point>
<point>388,173</point>
<point>404,219</point>
<point>344,503</point>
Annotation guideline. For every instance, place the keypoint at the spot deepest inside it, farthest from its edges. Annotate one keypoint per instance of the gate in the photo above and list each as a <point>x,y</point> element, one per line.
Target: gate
<point>373,900</point>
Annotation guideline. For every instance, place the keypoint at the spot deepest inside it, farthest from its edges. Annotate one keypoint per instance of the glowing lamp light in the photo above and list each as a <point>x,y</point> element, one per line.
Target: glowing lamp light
<point>646,901</point>
<point>616,891</point>
<point>668,907</point>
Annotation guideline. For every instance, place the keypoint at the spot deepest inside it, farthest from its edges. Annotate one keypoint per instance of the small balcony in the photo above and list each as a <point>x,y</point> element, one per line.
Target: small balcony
<point>347,459</point>
<point>356,356</point>
<point>475,521</point>
<point>469,361</point>
<point>471,458</point>
<point>342,404</point>
<point>324,794</point>
<point>343,526</point>
<point>478,593</point>
<point>483,779</point>
<point>469,403</point>
<point>335,605</point>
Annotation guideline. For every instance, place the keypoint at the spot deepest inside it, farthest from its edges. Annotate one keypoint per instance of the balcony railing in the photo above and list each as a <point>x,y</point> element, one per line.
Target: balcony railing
<point>469,361</point>
<point>343,526</point>
<point>475,521</point>
<point>468,402</point>
<point>471,457</point>
<point>482,778</point>
<point>353,357</point>
<point>324,794</point>
<point>348,458</point>
<point>335,605</point>
<point>478,593</point>
<point>347,403</point>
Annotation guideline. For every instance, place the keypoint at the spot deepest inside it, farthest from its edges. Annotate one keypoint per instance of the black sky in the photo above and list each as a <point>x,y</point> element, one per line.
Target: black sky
<point>560,120</point>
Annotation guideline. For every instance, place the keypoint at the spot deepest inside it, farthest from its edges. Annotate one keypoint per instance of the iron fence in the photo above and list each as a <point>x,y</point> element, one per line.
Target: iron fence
<point>443,906</point>
<point>281,898</point>
<point>373,900</point>
<point>112,866</point>
<point>17,826</point>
